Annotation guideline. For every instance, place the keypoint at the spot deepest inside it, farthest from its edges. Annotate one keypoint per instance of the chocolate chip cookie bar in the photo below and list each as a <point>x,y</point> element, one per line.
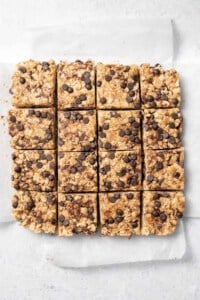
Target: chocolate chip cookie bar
<point>77,130</point>
<point>162,128</point>
<point>76,85</point>
<point>120,213</point>
<point>34,84</point>
<point>77,171</point>
<point>120,170</point>
<point>117,86</point>
<point>159,88</point>
<point>34,170</point>
<point>119,130</point>
<point>164,169</point>
<point>32,128</point>
<point>161,212</point>
<point>35,211</point>
<point>77,213</point>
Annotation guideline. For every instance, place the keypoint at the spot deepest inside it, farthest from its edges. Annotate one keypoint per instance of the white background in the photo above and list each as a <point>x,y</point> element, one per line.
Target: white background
<point>23,278</point>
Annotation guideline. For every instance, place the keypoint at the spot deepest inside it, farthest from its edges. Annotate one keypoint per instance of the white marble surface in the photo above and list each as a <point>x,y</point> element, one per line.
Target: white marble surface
<point>27,278</point>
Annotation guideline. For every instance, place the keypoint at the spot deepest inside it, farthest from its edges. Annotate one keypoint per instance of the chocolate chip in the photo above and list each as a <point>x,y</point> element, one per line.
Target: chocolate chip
<point>150,178</point>
<point>108,145</point>
<point>73,170</point>
<point>18,169</point>
<point>105,126</point>
<point>134,224</point>
<point>112,155</point>
<point>136,125</point>
<point>82,157</point>
<point>159,165</point>
<point>44,114</point>
<point>110,220</point>
<point>112,199</point>
<point>51,177</point>
<point>30,205</point>
<point>176,175</point>
<point>22,69</point>
<point>137,105</point>
<point>135,77</point>
<point>175,101</point>
<point>156,196</point>
<point>108,78</point>
<point>119,212</point>
<point>70,89</point>
<point>155,213</point>
<point>39,219</point>
<point>127,68</point>
<point>133,180</point>
<point>120,184</point>
<point>65,87</point>
<point>88,86</point>
<point>45,66</point>
<point>179,214</point>
<point>128,132</point>
<point>163,217</point>
<point>92,161</point>
<point>112,72</point>
<point>131,120</point>
<point>86,120</point>
<point>37,113</point>
<point>90,210</point>
<point>99,83</point>
<point>69,197</point>
<point>129,99</point>
<point>13,119</point>
<point>174,116</point>
<point>150,98</point>
<point>45,174</point>
<point>165,135</point>
<point>157,203</point>
<point>119,219</point>
<point>130,196</point>
<point>171,125</point>
<point>85,76</point>
<point>122,133</point>
<point>22,80</point>
<point>65,223</point>
<point>172,140</point>
<point>39,165</point>
<point>122,172</point>
<point>15,204</point>
<point>130,85</point>
<point>61,218</point>
<point>103,100</point>
<point>132,93</point>
<point>123,85</point>
<point>156,71</point>
<point>60,142</point>
<point>78,101</point>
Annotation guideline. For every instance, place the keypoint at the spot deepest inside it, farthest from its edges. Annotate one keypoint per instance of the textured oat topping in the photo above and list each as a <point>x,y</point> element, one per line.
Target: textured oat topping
<point>77,171</point>
<point>34,84</point>
<point>35,211</point>
<point>117,86</point>
<point>119,130</point>
<point>76,85</point>
<point>120,213</point>
<point>77,130</point>
<point>120,170</point>
<point>77,213</point>
<point>34,170</point>
<point>32,128</point>
<point>161,211</point>
<point>162,128</point>
<point>164,170</point>
<point>159,88</point>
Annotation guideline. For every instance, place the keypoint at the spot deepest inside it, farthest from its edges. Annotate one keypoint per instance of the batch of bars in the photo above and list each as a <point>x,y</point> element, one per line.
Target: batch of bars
<point>96,145</point>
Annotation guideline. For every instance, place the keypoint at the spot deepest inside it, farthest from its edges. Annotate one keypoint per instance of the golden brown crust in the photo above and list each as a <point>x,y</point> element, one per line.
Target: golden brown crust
<point>120,213</point>
<point>35,211</point>
<point>117,86</point>
<point>161,211</point>
<point>34,84</point>
<point>77,130</point>
<point>119,130</point>
<point>162,128</point>
<point>76,85</point>
<point>159,88</point>
<point>34,170</point>
<point>164,169</point>
<point>77,213</point>
<point>32,128</point>
<point>120,170</point>
<point>77,172</point>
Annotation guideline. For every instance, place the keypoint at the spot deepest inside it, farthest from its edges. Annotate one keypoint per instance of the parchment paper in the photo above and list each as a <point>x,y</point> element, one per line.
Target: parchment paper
<point>123,40</point>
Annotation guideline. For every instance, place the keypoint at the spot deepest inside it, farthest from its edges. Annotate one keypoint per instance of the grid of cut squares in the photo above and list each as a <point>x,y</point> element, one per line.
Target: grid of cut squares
<point>99,150</point>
